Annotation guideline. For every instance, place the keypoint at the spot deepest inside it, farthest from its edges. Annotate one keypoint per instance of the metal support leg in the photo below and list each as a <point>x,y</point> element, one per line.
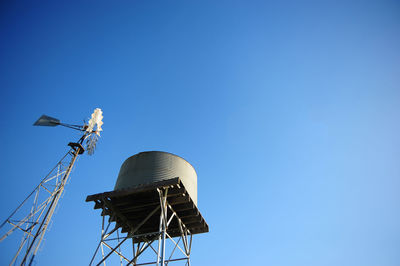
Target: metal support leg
<point>163,222</point>
<point>142,243</point>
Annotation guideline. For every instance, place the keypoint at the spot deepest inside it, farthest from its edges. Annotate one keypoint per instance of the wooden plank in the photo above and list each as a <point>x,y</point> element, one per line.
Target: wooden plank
<point>193,219</point>
<point>179,200</point>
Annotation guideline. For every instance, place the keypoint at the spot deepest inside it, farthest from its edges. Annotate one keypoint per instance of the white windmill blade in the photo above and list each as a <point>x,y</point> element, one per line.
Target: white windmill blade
<point>96,119</point>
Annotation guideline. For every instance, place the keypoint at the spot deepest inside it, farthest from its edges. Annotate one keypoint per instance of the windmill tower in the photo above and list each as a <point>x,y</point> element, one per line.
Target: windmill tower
<point>151,215</point>
<point>33,216</point>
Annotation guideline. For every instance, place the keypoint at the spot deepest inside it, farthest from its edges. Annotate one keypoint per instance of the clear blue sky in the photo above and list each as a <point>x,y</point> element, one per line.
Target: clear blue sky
<point>288,110</point>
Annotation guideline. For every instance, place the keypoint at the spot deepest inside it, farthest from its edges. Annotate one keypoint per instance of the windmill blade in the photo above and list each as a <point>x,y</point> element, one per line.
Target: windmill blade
<point>95,120</point>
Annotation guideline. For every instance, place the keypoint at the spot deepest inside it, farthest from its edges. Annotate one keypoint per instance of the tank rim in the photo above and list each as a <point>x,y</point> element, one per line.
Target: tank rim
<point>162,152</point>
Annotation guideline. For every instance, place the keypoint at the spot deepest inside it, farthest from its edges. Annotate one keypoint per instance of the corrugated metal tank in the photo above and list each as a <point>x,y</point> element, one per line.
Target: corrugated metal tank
<point>154,166</point>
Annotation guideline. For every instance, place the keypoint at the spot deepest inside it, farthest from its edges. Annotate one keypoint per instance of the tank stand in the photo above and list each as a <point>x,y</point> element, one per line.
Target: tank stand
<point>144,248</point>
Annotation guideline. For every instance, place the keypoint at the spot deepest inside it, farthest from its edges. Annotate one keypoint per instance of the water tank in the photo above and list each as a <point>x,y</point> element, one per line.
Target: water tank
<point>154,166</point>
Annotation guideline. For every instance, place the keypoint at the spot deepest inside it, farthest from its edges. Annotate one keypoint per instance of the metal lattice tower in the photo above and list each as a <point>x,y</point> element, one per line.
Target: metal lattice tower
<point>33,216</point>
<point>158,218</point>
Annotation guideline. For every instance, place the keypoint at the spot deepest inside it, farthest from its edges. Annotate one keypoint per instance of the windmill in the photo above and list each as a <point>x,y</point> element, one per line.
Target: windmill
<point>34,214</point>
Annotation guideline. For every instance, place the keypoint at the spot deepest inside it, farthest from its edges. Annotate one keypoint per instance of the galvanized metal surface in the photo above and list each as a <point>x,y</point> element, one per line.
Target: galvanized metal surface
<point>154,166</point>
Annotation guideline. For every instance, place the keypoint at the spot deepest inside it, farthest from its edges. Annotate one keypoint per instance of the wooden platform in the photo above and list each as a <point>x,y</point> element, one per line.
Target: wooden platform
<point>129,207</point>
